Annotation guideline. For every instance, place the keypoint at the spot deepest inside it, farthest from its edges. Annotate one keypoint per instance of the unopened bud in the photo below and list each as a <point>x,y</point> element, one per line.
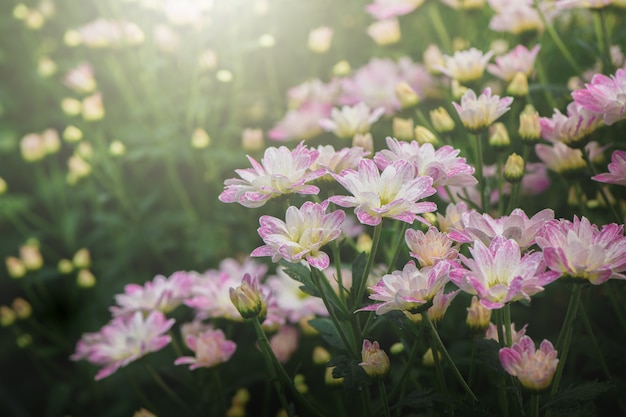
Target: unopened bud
<point>15,267</point>
<point>518,87</point>
<point>200,139</point>
<point>320,356</point>
<point>72,134</point>
<point>3,186</point>
<point>22,308</point>
<point>403,128</point>
<point>396,348</point>
<point>342,68</point>
<point>429,359</point>
<point>529,126</point>
<point>85,279</point>
<point>247,298</point>
<point>300,384</point>
<point>365,141</point>
<point>143,413</point>
<point>364,243</point>
<point>242,396</point>
<point>478,317</point>
<point>385,32</point>
<point>330,380</point>
<point>24,340</point>
<point>406,95</point>
<point>458,90</point>
<point>320,39</point>
<point>65,266</point>
<point>375,361</point>
<point>514,168</point>
<point>71,106</point>
<point>423,135</point>
<point>117,148</point>
<point>31,257</point>
<point>82,258</point>
<point>441,120</point>
<point>498,135</point>
<point>252,139</point>
<point>7,316</point>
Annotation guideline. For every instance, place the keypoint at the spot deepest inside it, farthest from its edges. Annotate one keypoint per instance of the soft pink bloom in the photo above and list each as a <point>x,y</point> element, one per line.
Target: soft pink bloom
<point>536,179</point>
<point>430,247</point>
<point>580,249</point>
<point>617,170</point>
<point>350,120</point>
<point>281,171</point>
<point>581,4</point>
<point>409,289</point>
<point>295,303</point>
<point>336,161</point>
<point>516,226</point>
<point>375,360</point>
<point>284,343</point>
<point>478,113</point>
<point>211,348</point>
<point>492,332</point>
<point>464,66</point>
<point>248,298</point>
<point>301,123</point>
<point>570,129</point>
<point>385,32</point>
<point>320,39</point>
<point>519,60</point>
<point>301,235</point>
<point>452,218</point>
<point>123,340</point>
<point>110,33</point>
<point>393,193</point>
<point>499,274</point>
<point>81,78</point>
<point>604,96</point>
<point>312,91</point>
<point>443,165</point>
<point>534,368</point>
<point>517,18</point>
<point>162,293</point>
<point>385,9</point>
<point>560,158</point>
<point>441,302</point>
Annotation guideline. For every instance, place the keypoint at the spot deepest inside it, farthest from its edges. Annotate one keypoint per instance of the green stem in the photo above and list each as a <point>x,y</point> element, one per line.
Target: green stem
<point>478,151</point>
<point>219,392</point>
<point>604,40</point>
<point>170,393</point>
<point>439,372</point>
<point>337,260</point>
<point>440,27</point>
<point>617,307</point>
<point>594,341</point>
<point>397,246</point>
<point>507,324</point>
<point>565,337</point>
<point>368,267</point>
<point>533,405</point>
<point>383,398</point>
<point>441,347</point>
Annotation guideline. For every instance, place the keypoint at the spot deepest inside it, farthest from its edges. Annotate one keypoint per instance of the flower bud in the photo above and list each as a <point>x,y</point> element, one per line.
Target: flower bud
<point>24,340</point>
<point>514,168</point>
<point>7,316</point>
<point>406,95</point>
<point>320,39</point>
<point>385,32</point>
<point>396,348</point>
<point>429,359</point>
<point>300,384</point>
<point>498,135</point>
<point>200,139</point>
<point>65,266</point>
<point>85,279</point>
<point>252,139</point>
<point>433,59</point>
<point>518,87</point>
<point>342,68</point>
<point>478,317</point>
<point>364,243</point>
<point>22,308</point>
<point>144,413</point>
<point>529,125</point>
<point>423,135</point>
<point>3,186</point>
<point>15,267</point>
<point>71,106</point>
<point>117,148</point>
<point>93,108</point>
<point>403,128</point>
<point>72,134</point>
<point>330,380</point>
<point>441,120</point>
<point>365,141</point>
<point>46,67</point>
<point>247,298</point>
<point>82,258</point>
<point>375,361</point>
<point>320,356</point>
<point>31,257</point>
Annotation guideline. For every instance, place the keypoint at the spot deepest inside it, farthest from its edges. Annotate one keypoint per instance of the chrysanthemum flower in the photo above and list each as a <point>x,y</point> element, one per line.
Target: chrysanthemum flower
<point>430,247</point>
<point>81,79</point>
<point>516,335</point>
<point>375,360</point>
<point>281,171</point>
<point>441,302</point>
<point>162,294</point>
<point>301,123</point>
<point>385,9</point>
<point>464,4</point>
<point>466,66</point>
<point>393,193</point>
<point>123,340</point>
<point>478,113</point>
<point>516,226</point>
<point>519,60</point>
<point>210,346</point>
<point>573,129</point>
<point>350,120</point>
<point>581,4</point>
<point>443,165</point>
<point>517,17</point>
<point>409,289</point>
<point>560,158</point>
<point>534,368</point>
<point>301,235</point>
<point>452,218</point>
<point>605,96</point>
<point>292,300</point>
<point>499,274</point>
<point>284,343</point>
<point>336,161</point>
<point>617,170</point>
<point>580,249</point>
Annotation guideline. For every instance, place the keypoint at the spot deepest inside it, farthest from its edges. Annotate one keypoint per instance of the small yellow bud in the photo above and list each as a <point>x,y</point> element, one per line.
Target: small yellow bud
<point>3,186</point>
<point>252,139</point>
<point>306,328</point>
<point>31,257</point>
<point>423,135</point>
<point>375,361</point>
<point>65,266</point>
<point>117,148</point>
<point>20,11</point>
<point>365,141</point>
<point>224,76</point>
<point>320,39</point>
<point>82,258</point>
<point>459,44</point>
<point>342,68</point>
<point>320,356</point>
<point>478,317</point>
<point>330,380</point>
<point>518,87</point>
<point>72,38</point>
<point>514,168</point>
<point>385,32</point>
<point>529,126</point>
<point>396,348</point>
<point>498,135</point>
<point>144,413</point>
<point>242,396</point>
<point>457,89</point>
<point>429,359</point>
<point>364,243</point>
<point>51,140</point>
<point>7,316</point>
<point>200,139</point>
<point>441,120</point>
<point>433,58</point>
<point>247,298</point>
<point>236,410</point>
<point>85,279</point>
<point>24,340</point>
<point>72,134</point>
<point>22,308</point>
<point>406,95</point>
<point>300,384</point>
<point>403,128</point>
<point>430,217</point>
<point>34,20</point>
<point>499,46</point>
<point>15,267</point>
<point>46,67</point>
<point>93,108</point>
<point>71,106</point>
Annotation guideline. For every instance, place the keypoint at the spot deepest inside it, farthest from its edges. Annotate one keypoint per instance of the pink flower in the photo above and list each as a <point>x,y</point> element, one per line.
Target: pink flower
<point>533,368</point>
<point>281,171</point>
<point>431,247</point>
<point>123,340</point>
<point>443,165</point>
<point>81,79</point>
<point>516,18</point>
<point>478,113</point>
<point>571,129</point>
<point>375,360</point>
<point>300,124</point>
<point>519,60</point>
<point>162,294</point>
<point>617,170</point>
<point>106,33</point>
<point>295,303</point>
<point>452,219</point>
<point>465,66</point>
<point>580,249</point>
<point>337,161</point>
<point>409,289</point>
<point>604,96</point>
<point>393,193</point>
<point>385,9</point>
<point>581,4</point>
<point>516,226</point>
<point>560,158</point>
<point>499,274</point>
<point>301,235</point>
<point>211,348</point>
<point>492,332</point>
<point>284,343</point>
<point>350,120</point>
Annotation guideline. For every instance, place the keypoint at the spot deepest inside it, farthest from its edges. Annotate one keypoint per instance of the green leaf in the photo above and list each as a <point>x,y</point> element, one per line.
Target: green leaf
<point>301,274</point>
<point>328,331</point>
<point>358,270</point>
<point>572,397</point>
<point>354,377</point>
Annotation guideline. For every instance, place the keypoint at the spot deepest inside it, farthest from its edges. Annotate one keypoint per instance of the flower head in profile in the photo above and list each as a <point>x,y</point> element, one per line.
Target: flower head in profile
<point>478,317</point>
<point>443,165</point>
<point>337,161</point>
<point>605,96</point>
<point>430,247</point>
<point>617,170</point>
<point>560,158</point>
<point>281,171</point>
<point>375,361</point>
<point>248,298</point>
<point>467,65</point>
<point>350,120</point>
<point>516,335</point>
<point>519,60</point>
<point>580,249</point>
<point>302,234</point>
<point>295,303</point>
<point>162,294</point>
<point>499,274</point>
<point>478,113</point>
<point>210,347</point>
<point>573,129</point>
<point>534,368</point>
<point>394,193</point>
<point>123,340</point>
<point>409,289</point>
<point>516,17</point>
<point>386,9</point>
